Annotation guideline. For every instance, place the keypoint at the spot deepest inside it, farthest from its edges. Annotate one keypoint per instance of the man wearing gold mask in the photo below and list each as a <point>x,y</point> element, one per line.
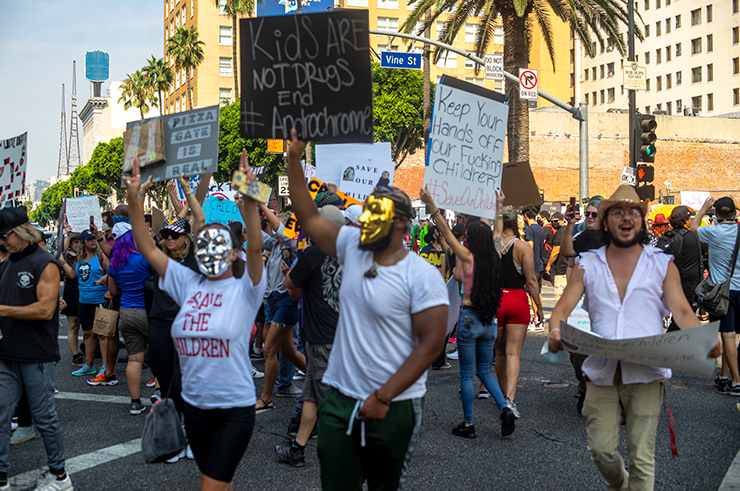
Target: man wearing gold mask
<point>392,323</point>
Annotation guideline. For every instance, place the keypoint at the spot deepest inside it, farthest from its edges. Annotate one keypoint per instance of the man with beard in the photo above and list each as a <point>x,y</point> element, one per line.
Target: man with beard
<point>391,327</point>
<point>629,289</point>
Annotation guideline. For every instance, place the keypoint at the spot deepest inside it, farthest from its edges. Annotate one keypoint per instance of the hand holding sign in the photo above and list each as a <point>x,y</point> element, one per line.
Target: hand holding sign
<point>246,182</point>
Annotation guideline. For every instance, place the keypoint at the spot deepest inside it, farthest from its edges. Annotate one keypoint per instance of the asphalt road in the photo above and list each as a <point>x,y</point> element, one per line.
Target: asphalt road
<point>547,451</point>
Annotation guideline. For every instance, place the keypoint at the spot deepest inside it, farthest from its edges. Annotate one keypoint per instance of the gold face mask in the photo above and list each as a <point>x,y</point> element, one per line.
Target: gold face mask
<point>376,219</point>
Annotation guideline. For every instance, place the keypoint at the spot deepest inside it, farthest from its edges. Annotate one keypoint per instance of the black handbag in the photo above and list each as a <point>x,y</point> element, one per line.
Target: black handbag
<point>713,297</point>
<point>163,437</point>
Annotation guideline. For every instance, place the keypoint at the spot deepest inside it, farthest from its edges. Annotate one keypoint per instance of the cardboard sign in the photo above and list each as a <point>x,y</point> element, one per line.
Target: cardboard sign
<point>519,186</point>
<point>144,143</point>
<point>684,350</point>
<point>331,159</point>
<point>361,176</point>
<point>190,144</point>
<point>314,187</point>
<point>465,152</point>
<point>79,211</point>
<point>13,167</point>
<point>221,211</point>
<point>310,72</point>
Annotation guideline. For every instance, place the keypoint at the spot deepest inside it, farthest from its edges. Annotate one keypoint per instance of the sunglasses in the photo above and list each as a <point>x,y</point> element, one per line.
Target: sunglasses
<point>591,214</point>
<point>6,234</point>
<point>166,234</point>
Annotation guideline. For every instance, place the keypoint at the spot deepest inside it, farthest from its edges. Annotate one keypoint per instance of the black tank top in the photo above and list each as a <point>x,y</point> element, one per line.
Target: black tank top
<point>27,341</point>
<point>510,277</point>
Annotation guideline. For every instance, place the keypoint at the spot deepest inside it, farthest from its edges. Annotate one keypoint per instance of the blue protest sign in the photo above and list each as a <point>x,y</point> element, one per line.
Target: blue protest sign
<point>221,211</point>
<point>393,59</point>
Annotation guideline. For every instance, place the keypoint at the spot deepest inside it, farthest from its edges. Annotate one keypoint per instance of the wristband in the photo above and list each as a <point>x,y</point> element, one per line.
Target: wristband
<point>435,213</point>
<point>142,194</point>
<point>100,239</point>
<point>377,394</point>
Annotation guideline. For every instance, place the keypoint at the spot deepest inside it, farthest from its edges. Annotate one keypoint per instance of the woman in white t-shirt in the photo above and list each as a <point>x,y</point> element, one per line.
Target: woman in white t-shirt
<point>211,333</point>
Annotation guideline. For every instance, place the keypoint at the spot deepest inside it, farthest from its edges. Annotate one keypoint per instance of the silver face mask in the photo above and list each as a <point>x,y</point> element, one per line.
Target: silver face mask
<point>213,251</point>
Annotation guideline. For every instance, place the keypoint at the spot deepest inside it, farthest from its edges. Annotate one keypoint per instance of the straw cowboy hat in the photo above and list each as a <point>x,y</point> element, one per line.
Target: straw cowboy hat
<point>623,194</point>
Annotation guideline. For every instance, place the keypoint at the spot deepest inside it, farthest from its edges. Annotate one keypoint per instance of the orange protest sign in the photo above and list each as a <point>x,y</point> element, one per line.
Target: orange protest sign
<point>276,146</point>
<point>315,186</point>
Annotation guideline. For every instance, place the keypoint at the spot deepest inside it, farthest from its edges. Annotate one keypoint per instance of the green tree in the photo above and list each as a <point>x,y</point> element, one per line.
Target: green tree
<point>398,110</point>
<point>236,9</point>
<point>160,76</point>
<point>137,91</point>
<point>589,20</point>
<point>186,50</point>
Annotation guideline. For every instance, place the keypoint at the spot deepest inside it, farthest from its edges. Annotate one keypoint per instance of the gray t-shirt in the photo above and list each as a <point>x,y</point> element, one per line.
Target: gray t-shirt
<point>721,241</point>
<point>274,266</point>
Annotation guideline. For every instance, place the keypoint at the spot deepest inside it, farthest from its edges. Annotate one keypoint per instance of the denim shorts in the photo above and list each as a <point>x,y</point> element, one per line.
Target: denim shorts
<point>280,309</point>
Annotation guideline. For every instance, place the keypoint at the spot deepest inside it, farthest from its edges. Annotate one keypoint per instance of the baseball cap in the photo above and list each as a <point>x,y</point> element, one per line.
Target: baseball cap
<point>558,216</point>
<point>725,202</point>
<point>11,218</point>
<point>179,225</point>
<point>545,214</point>
<point>86,235</point>
<point>681,212</point>
<point>352,213</point>
<point>333,214</point>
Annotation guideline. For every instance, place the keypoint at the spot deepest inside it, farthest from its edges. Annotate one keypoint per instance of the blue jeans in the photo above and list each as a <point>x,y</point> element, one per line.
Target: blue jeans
<point>475,348</point>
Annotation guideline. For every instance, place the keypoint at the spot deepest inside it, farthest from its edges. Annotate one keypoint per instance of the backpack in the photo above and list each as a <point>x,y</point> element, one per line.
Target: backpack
<point>671,242</point>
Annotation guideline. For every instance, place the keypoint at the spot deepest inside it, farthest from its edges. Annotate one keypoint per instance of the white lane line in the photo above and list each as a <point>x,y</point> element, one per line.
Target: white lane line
<point>79,396</point>
<point>80,463</point>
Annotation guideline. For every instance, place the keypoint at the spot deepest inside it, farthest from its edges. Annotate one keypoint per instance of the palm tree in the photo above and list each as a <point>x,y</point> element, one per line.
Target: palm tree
<point>236,8</point>
<point>137,92</point>
<point>588,19</point>
<point>160,76</point>
<point>186,50</point>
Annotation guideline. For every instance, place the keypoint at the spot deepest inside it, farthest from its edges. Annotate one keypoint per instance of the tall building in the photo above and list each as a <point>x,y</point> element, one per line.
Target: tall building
<point>213,82</point>
<point>691,53</point>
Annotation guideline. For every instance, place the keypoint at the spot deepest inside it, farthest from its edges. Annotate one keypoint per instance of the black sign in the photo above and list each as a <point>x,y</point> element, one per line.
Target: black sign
<point>310,72</point>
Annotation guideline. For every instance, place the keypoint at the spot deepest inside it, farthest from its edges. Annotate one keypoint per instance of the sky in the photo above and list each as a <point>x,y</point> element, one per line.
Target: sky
<point>39,41</point>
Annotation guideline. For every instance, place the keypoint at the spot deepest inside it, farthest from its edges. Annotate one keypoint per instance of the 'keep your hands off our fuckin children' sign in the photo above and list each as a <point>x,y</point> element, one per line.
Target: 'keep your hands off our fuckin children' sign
<point>190,145</point>
<point>310,72</point>
<point>465,151</point>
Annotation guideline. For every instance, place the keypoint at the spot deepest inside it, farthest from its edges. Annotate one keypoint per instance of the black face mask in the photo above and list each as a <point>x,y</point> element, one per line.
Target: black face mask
<point>556,225</point>
<point>3,249</point>
<point>539,222</point>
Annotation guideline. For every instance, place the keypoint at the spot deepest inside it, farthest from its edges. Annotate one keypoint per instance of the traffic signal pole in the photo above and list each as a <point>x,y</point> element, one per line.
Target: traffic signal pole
<point>631,93</point>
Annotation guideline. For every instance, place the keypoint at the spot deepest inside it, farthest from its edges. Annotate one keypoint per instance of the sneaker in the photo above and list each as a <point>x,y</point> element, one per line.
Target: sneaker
<point>102,370</point>
<point>295,423</point>
<point>257,356</point>
<point>446,366</point>
<point>84,371</point>
<point>512,405</point>
<point>291,391</point>
<point>299,375</point>
<point>289,454</point>
<point>52,483</point>
<point>257,374</point>
<point>156,396</point>
<point>453,356</point>
<point>101,379</point>
<point>539,327</point>
<point>13,426</point>
<point>484,394</point>
<point>453,339</point>
<point>22,435</point>
<point>733,390</point>
<point>78,360</point>
<point>508,422</point>
<point>724,386</point>
<point>136,408</point>
<point>177,457</point>
<point>152,382</point>
<point>5,487</point>
<point>532,325</point>
<point>189,453</point>
<point>464,431</point>
<point>721,380</point>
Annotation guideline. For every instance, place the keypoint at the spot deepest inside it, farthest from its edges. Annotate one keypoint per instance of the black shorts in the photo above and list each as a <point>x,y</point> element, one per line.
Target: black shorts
<point>71,297</point>
<point>86,312</point>
<point>219,438</point>
<point>260,314</point>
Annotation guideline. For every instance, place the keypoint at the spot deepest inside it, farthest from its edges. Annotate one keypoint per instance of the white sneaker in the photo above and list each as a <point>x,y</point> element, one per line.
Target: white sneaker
<point>179,456</point>
<point>257,374</point>
<point>51,483</point>
<point>189,452</point>
<point>13,426</point>
<point>453,356</point>
<point>299,375</point>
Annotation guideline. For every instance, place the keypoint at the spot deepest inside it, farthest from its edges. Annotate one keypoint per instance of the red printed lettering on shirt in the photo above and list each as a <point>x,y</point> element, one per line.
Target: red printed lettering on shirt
<point>196,322</point>
<point>204,348</point>
<point>200,301</point>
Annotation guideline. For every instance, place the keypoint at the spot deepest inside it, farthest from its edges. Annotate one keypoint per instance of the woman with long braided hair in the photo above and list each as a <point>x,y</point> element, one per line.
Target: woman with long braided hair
<point>478,266</point>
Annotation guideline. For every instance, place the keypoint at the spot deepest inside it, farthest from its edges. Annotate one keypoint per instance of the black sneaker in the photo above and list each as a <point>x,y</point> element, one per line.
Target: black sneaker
<point>724,386</point>
<point>257,356</point>
<point>295,423</point>
<point>464,431</point>
<point>315,432</point>
<point>733,390</point>
<point>136,408</point>
<point>288,454</point>
<point>508,422</point>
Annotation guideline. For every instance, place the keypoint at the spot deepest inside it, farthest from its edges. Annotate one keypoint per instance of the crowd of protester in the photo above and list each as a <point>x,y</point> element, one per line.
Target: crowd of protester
<point>357,307</point>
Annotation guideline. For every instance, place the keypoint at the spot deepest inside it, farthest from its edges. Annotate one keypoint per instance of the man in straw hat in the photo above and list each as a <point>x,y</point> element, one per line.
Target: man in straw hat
<point>629,290</point>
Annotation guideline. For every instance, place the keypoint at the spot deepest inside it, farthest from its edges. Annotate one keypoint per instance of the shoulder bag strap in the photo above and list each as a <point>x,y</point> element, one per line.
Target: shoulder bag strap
<point>734,253</point>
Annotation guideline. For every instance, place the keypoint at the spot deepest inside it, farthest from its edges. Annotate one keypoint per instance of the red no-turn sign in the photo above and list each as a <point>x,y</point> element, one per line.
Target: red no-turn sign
<point>528,82</point>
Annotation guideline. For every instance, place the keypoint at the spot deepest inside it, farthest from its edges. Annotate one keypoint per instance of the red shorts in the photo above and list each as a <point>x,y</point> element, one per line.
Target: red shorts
<point>514,308</point>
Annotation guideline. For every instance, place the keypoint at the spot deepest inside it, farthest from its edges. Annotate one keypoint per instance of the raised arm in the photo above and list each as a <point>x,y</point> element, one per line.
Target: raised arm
<point>203,185</point>
<point>199,218</point>
<point>107,250</point>
<point>566,247</point>
<point>321,231</point>
<point>248,209</point>
<point>458,249</point>
<point>696,222</point>
<point>272,220</point>
<point>174,198</point>
<point>144,242</point>
<point>498,225</point>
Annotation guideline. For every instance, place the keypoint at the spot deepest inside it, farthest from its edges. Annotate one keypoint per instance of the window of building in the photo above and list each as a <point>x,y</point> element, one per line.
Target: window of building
<point>647,57</point>
<point>601,71</point>
<point>647,4</point>
<point>179,83</point>
<point>360,3</point>
<point>658,83</point>
<point>184,14</point>
<point>585,73</point>
<point>390,24</point>
<point>678,50</point>
<point>647,109</point>
<point>668,54</point>
<point>469,64</point>
<point>448,60</point>
<point>678,21</point>
<point>710,72</point>
<point>668,26</point>
<point>669,108</point>
<point>440,26</point>
<point>667,3</point>
<point>679,105</point>
<point>710,102</point>
<point>610,69</point>
<point>602,49</point>
<point>735,6</point>
<point>498,35</point>
<point>647,30</point>
<point>388,4</point>
<point>609,45</point>
<point>658,107</point>
<point>586,96</point>
<point>735,97</point>
<point>735,66</point>
<point>657,4</point>
<point>172,107</point>
<point>593,97</point>
<point>601,96</point>
<point>696,75</point>
<point>696,17</point>
<point>572,79</point>
<point>696,102</point>
<point>709,19</point>
<point>610,94</point>
<point>647,85</point>
<point>224,67</point>
<point>178,105</point>
<point>593,73</point>
<point>224,96</point>
<point>710,43</point>
<point>224,36</point>
<point>696,46</point>
<point>476,81</point>
<point>657,28</point>
<point>387,47</point>
<point>621,87</point>
<point>498,85</point>
<point>192,8</point>
<point>470,33</point>
<point>409,5</point>
<point>184,103</point>
<point>735,35</point>
<point>658,56</point>
<point>679,78</point>
<point>668,81</point>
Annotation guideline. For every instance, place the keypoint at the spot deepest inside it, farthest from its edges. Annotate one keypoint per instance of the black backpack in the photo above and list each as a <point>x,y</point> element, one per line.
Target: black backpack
<point>671,242</point>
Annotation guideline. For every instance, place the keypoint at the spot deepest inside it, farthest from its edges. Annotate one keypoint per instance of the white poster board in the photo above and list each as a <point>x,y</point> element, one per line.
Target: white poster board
<point>360,176</point>
<point>222,190</point>
<point>331,159</point>
<point>579,318</point>
<point>465,152</point>
<point>685,350</point>
<point>13,162</point>
<point>694,199</point>
<point>79,211</point>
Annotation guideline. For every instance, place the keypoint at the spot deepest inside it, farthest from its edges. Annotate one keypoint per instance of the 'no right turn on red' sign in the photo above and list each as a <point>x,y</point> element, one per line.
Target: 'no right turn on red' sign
<point>528,83</point>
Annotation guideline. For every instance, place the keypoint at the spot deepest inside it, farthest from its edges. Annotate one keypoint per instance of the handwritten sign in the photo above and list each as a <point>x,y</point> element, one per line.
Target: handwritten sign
<point>685,350</point>
<point>310,72</point>
<point>694,199</point>
<point>222,190</point>
<point>190,141</point>
<point>79,211</point>
<point>221,211</point>
<point>13,160</point>
<point>292,229</point>
<point>465,152</point>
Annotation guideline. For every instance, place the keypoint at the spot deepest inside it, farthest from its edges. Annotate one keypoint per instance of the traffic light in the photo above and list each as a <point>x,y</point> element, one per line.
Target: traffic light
<point>646,192</point>
<point>645,173</point>
<point>645,138</point>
